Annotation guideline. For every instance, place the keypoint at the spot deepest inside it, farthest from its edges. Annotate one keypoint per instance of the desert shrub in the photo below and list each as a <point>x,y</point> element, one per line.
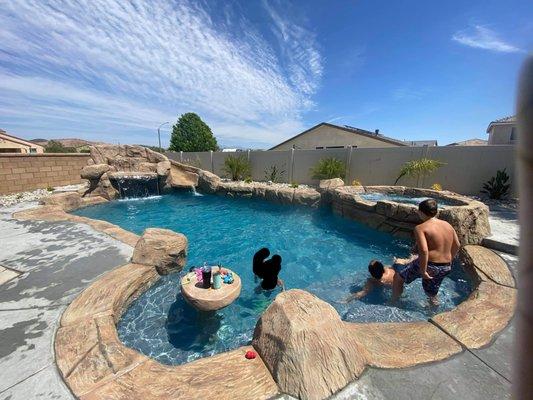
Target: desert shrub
<point>497,187</point>
<point>328,168</point>
<point>294,185</point>
<point>248,180</point>
<point>356,182</point>
<point>419,168</point>
<point>274,174</point>
<point>237,168</point>
<point>436,186</point>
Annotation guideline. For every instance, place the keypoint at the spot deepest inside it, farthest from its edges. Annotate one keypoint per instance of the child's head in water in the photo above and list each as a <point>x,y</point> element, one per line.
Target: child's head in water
<point>276,259</point>
<point>376,269</point>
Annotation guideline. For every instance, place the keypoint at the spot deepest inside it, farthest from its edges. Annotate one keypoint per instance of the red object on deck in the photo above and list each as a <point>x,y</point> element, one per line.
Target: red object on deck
<point>250,355</point>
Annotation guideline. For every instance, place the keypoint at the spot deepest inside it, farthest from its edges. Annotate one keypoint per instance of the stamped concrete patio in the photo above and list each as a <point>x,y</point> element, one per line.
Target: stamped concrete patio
<point>57,260</point>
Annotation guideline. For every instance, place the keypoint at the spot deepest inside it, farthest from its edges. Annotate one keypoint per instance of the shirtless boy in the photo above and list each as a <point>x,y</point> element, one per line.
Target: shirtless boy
<point>437,245</point>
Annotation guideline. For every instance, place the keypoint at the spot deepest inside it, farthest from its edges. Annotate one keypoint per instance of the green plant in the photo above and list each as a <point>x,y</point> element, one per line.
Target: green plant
<point>328,168</point>
<point>237,167</point>
<point>437,187</point>
<point>419,168</point>
<point>497,187</point>
<point>248,180</point>
<point>54,146</point>
<point>274,173</point>
<point>294,185</point>
<point>50,188</point>
<point>356,182</point>
<point>190,133</point>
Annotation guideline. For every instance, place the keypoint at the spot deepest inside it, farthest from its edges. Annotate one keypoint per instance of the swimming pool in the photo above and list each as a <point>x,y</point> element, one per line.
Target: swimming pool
<point>322,253</point>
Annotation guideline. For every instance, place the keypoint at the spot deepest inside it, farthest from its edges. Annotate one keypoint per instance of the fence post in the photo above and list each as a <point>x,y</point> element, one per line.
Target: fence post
<point>291,166</point>
<point>181,156</point>
<point>212,164</point>
<point>348,165</point>
<point>248,155</point>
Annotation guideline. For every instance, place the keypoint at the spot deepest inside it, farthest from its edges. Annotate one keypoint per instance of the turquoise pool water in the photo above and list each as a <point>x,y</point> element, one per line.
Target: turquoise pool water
<point>322,253</point>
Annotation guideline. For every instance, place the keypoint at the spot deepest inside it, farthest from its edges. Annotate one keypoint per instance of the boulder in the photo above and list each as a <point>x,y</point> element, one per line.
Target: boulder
<point>162,248</point>
<point>304,344</point>
<point>326,184</point>
<point>163,168</point>
<point>93,172</point>
<point>154,156</point>
<point>68,201</point>
<point>470,222</point>
<point>181,177</point>
<point>306,197</point>
<point>208,182</point>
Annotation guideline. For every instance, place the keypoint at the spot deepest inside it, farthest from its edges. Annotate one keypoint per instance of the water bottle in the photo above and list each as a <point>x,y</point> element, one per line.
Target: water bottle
<point>217,279</point>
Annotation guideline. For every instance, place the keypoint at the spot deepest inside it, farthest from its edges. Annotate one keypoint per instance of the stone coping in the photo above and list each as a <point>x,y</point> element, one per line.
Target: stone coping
<point>96,365</point>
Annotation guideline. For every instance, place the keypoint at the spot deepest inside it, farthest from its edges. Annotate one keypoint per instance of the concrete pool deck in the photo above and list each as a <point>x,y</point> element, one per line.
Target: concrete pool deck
<point>58,259</point>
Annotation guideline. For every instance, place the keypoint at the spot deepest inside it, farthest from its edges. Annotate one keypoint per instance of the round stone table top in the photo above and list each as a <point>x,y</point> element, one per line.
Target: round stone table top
<point>209,299</point>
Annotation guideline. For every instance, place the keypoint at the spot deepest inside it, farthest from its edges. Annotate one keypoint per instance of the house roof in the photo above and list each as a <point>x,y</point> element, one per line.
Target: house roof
<point>346,128</point>
<point>470,142</point>
<point>502,121</point>
<point>15,139</point>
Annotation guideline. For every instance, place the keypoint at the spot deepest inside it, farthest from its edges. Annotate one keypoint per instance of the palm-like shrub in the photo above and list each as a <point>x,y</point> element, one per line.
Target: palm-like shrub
<point>419,168</point>
<point>274,174</point>
<point>497,187</point>
<point>328,168</point>
<point>237,167</point>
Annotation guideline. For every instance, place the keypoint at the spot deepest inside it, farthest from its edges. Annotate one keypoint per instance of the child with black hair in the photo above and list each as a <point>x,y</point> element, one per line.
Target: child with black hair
<point>380,275</point>
<point>267,270</point>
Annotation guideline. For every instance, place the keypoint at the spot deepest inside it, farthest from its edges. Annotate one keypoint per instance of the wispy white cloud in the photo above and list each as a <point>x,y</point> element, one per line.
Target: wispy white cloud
<point>481,37</point>
<point>115,66</point>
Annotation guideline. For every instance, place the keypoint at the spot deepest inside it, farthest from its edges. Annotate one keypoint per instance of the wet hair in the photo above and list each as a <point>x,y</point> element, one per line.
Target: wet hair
<point>276,259</point>
<point>259,260</point>
<point>429,207</point>
<point>376,269</point>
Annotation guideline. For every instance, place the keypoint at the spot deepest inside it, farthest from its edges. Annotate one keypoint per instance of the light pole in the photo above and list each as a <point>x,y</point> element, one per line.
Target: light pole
<point>159,135</point>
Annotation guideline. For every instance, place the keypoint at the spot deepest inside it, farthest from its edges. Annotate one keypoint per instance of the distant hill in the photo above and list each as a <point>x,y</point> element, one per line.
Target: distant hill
<point>78,144</point>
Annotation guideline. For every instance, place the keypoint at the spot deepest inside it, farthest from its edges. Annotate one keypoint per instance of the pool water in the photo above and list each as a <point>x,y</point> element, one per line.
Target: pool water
<point>322,253</point>
<point>376,196</point>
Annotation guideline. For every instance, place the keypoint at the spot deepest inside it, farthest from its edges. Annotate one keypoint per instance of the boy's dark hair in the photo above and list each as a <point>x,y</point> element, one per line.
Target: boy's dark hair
<point>429,207</point>
<point>376,269</point>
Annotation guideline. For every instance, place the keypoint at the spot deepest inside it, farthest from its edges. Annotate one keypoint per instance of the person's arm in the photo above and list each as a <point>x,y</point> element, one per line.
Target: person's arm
<point>362,293</point>
<point>456,244</point>
<point>423,252</point>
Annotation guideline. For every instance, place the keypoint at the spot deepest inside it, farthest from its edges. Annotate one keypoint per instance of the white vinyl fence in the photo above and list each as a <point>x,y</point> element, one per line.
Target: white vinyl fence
<point>466,167</point>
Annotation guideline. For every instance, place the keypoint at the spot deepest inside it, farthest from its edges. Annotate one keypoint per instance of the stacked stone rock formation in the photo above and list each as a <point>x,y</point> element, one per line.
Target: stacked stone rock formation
<point>162,248</point>
<point>108,163</point>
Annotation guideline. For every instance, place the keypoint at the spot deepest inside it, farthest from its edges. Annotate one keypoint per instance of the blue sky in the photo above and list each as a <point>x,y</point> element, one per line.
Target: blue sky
<point>259,72</point>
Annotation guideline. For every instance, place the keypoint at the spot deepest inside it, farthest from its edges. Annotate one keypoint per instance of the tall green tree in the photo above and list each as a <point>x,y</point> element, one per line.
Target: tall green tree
<point>190,133</point>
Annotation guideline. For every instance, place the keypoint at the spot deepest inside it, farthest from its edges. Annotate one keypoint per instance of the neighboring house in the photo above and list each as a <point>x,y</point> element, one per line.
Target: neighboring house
<point>503,131</point>
<point>12,144</point>
<point>330,136</point>
<point>469,142</point>
<point>421,143</point>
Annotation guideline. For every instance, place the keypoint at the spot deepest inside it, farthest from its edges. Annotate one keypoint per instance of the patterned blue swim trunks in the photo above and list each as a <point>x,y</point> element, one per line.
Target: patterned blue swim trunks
<point>437,271</point>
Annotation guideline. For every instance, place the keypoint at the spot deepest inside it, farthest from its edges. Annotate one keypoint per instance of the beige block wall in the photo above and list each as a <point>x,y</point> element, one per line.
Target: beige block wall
<point>24,172</point>
<point>466,167</point>
<point>324,136</point>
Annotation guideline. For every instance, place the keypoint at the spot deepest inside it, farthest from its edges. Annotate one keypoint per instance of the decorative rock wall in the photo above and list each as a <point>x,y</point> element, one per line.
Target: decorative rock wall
<point>470,218</point>
<point>109,163</point>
